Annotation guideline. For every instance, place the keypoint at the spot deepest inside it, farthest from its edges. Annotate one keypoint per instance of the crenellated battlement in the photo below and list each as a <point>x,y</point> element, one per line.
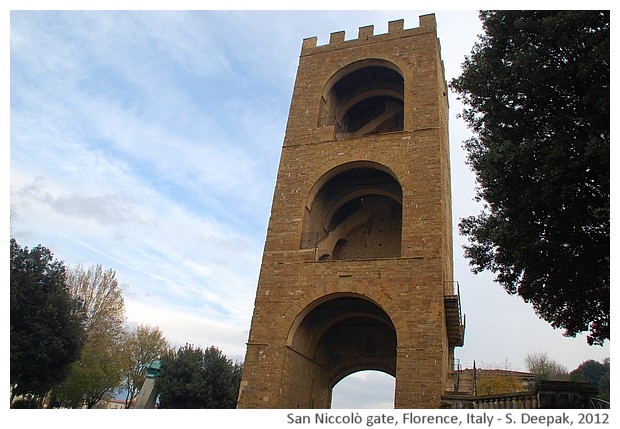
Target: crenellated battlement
<point>366,34</point>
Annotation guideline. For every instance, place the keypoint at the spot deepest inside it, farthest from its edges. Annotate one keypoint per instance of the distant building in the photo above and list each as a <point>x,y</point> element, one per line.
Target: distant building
<point>111,404</point>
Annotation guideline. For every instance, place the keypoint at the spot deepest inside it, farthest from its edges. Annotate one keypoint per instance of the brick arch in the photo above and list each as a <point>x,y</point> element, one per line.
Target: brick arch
<point>330,169</point>
<point>358,65</point>
<point>344,333</point>
<point>364,97</point>
<point>338,376</point>
<point>342,206</point>
<point>317,296</point>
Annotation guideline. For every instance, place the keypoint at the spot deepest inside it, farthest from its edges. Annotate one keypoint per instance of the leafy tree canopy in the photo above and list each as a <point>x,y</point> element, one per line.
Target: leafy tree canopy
<point>104,360</point>
<point>145,344</point>
<point>499,385</point>
<point>545,368</point>
<point>47,331</point>
<point>195,378</point>
<point>536,87</point>
<point>596,373</point>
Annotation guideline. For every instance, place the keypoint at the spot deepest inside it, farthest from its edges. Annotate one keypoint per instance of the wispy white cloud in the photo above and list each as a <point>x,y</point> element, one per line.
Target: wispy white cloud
<point>161,133</point>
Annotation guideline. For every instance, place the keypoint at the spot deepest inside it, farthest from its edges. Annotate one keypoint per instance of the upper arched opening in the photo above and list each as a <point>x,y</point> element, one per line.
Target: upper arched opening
<point>354,212</point>
<point>365,97</point>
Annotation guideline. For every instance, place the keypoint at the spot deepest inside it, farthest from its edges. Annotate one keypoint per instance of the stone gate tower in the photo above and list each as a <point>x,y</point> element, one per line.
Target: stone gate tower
<point>357,264</point>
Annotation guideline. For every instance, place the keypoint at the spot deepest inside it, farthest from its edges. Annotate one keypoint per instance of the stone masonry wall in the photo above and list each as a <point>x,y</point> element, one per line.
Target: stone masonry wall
<point>410,288</point>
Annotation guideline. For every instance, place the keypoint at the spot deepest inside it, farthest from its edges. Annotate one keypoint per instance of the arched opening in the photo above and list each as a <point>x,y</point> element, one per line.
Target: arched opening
<point>366,389</point>
<point>354,213</point>
<point>366,97</point>
<point>337,336</point>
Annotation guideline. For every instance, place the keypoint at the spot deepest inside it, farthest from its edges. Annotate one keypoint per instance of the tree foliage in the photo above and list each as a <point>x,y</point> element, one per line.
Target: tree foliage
<point>536,87</point>
<point>499,385</point>
<point>195,378</point>
<point>46,325</point>
<point>596,373</point>
<point>145,344</point>
<point>545,368</point>
<point>102,300</point>
<point>104,361</point>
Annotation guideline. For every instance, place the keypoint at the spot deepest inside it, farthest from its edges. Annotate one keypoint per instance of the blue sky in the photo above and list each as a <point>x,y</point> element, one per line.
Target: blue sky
<point>149,142</point>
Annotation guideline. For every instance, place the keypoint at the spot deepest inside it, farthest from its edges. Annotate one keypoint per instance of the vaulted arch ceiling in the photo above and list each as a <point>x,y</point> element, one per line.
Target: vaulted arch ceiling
<point>365,97</point>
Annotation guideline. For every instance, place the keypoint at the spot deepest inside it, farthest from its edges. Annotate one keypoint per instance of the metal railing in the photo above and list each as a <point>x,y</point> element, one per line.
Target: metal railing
<point>600,404</point>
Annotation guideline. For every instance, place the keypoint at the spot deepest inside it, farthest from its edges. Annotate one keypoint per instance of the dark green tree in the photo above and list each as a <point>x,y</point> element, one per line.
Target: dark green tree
<point>195,378</point>
<point>47,329</point>
<point>595,373</point>
<point>604,384</point>
<point>536,91</point>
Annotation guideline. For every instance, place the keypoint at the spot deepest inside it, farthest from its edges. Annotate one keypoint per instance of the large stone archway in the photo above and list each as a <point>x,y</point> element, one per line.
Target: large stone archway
<point>336,336</point>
